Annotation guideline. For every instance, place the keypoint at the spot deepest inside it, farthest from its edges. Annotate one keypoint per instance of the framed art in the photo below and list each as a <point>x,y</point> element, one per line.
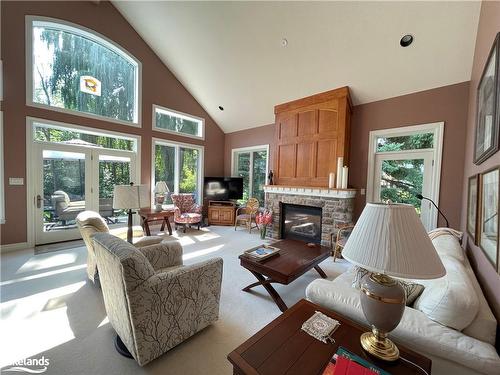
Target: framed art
<point>488,111</point>
<point>488,222</point>
<point>472,203</point>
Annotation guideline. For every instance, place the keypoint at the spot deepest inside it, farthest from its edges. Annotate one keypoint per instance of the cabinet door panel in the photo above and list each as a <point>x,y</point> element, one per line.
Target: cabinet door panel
<point>327,122</point>
<point>326,160</point>
<point>287,160</point>
<point>307,123</point>
<point>288,127</point>
<point>305,159</point>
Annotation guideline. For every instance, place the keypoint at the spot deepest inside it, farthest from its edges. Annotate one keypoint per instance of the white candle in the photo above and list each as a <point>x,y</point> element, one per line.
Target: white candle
<point>340,164</point>
<point>331,181</point>
<point>345,174</point>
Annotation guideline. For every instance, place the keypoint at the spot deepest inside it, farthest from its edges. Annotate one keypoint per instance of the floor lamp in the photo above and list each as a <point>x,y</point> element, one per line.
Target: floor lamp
<point>130,197</point>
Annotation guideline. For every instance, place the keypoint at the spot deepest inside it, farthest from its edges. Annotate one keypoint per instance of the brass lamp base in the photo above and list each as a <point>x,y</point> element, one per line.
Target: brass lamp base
<point>378,345</point>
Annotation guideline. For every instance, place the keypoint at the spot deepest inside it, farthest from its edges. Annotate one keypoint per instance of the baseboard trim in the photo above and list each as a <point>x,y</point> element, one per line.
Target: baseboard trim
<point>14,246</point>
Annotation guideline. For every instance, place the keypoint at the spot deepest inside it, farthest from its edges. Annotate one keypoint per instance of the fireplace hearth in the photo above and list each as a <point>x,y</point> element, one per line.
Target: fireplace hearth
<point>300,222</point>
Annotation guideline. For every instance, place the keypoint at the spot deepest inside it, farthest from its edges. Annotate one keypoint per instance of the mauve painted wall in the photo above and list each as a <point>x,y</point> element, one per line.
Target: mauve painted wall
<point>489,26</point>
<point>159,86</point>
<point>263,135</point>
<point>448,104</point>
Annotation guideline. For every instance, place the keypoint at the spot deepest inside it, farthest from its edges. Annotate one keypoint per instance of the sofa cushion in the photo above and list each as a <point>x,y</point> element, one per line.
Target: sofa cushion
<point>450,300</point>
<point>447,245</point>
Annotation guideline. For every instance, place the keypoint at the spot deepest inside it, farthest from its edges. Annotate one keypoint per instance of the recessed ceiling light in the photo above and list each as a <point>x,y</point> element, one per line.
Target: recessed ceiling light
<point>406,40</point>
<point>284,42</point>
<point>221,108</point>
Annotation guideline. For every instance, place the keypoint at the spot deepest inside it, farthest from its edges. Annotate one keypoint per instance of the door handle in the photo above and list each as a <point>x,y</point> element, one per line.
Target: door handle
<point>39,200</point>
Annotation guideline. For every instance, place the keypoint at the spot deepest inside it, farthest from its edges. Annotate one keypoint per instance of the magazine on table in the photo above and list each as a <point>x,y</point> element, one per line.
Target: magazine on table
<point>262,252</point>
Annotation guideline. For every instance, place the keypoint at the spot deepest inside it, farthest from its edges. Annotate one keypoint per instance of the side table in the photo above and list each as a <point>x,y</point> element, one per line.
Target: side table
<point>148,215</point>
<point>282,347</point>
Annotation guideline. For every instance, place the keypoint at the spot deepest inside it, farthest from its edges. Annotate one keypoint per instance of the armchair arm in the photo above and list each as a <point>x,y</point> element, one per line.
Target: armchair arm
<point>242,208</point>
<point>195,208</point>
<point>164,254</point>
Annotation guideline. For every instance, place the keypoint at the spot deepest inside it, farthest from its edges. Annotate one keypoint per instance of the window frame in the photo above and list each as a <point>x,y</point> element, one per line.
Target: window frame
<point>251,150</point>
<point>2,180</point>
<point>437,129</point>
<point>180,114</point>
<point>177,145</point>
<point>95,37</point>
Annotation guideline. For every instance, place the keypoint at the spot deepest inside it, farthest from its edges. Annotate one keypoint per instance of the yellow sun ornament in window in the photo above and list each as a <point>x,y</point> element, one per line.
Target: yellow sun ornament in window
<point>90,85</point>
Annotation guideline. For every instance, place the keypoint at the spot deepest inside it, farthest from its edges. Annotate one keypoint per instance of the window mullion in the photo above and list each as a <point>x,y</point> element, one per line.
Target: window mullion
<point>177,169</point>
<point>250,175</point>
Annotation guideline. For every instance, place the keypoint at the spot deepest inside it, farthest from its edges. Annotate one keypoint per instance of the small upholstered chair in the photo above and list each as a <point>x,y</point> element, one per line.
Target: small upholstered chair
<point>187,212</point>
<point>89,223</point>
<point>247,213</point>
<point>153,301</point>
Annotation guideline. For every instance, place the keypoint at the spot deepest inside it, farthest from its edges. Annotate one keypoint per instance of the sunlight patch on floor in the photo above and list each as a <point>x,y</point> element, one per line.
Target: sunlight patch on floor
<point>42,275</point>
<point>200,253</point>
<point>45,261</point>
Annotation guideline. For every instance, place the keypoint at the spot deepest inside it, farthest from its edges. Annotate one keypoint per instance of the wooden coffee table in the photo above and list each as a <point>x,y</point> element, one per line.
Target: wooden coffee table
<point>295,259</point>
<point>282,347</point>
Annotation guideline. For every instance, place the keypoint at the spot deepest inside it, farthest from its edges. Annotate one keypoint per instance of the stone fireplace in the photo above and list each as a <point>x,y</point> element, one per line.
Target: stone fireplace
<point>336,207</point>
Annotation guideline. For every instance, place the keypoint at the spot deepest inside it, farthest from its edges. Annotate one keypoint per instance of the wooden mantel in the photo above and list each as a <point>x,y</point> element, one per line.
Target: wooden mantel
<point>311,133</point>
<point>311,191</point>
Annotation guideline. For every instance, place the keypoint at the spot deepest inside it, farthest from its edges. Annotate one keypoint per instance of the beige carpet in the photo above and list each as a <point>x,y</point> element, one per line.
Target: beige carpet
<point>48,308</point>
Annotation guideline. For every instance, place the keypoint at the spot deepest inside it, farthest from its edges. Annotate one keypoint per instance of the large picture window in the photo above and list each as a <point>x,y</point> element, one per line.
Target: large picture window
<point>169,121</point>
<point>180,166</point>
<point>73,69</point>
<point>251,163</point>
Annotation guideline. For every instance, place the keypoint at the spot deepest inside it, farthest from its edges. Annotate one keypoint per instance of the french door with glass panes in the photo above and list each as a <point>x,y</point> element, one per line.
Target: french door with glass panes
<point>251,163</point>
<point>70,179</point>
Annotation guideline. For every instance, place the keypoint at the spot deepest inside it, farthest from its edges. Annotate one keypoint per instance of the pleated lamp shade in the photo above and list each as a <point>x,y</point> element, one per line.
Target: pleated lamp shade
<point>161,187</point>
<point>131,196</point>
<point>390,239</point>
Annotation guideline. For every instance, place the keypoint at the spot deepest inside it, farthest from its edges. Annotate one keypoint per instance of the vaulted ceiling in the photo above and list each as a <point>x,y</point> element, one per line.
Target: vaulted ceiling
<point>231,54</point>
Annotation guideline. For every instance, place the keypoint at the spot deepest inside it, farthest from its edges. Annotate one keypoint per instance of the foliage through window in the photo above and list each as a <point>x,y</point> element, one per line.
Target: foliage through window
<point>175,122</point>
<point>180,167</point>
<point>251,164</point>
<point>76,70</point>
<point>80,138</point>
<point>401,180</point>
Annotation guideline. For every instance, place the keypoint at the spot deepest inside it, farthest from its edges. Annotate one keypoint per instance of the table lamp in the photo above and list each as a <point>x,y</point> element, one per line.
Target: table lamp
<point>160,189</point>
<point>130,197</point>
<point>389,240</point>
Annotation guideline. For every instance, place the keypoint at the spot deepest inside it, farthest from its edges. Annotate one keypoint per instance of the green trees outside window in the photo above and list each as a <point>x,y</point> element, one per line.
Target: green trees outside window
<point>62,55</point>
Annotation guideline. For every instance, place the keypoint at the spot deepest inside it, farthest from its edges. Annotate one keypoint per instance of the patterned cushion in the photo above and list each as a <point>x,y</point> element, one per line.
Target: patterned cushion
<point>412,290</point>
<point>188,218</point>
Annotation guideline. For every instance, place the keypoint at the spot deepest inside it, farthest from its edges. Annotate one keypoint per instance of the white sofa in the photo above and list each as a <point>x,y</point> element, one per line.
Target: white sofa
<point>469,351</point>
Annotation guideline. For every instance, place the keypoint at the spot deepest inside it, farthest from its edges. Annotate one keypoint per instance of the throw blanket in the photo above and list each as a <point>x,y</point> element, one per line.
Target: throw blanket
<point>445,231</point>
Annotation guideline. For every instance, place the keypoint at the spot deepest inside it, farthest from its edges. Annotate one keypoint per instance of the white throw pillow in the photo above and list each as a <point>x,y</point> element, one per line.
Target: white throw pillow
<point>447,245</point>
<point>450,300</point>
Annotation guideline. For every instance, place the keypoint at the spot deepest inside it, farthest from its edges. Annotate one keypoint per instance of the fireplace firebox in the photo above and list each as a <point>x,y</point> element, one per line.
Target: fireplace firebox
<point>300,222</point>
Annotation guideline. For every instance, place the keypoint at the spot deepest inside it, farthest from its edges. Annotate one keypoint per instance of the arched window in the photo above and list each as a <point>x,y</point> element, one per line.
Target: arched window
<point>71,68</point>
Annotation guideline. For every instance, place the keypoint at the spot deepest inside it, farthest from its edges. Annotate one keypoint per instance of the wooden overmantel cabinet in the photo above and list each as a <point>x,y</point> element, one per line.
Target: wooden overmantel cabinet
<point>311,133</point>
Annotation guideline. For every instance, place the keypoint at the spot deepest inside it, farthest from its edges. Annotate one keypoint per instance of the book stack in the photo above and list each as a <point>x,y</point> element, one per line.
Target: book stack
<point>346,363</point>
<point>262,252</point>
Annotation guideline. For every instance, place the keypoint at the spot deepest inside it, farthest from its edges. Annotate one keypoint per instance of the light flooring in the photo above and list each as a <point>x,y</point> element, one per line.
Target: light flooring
<point>48,308</point>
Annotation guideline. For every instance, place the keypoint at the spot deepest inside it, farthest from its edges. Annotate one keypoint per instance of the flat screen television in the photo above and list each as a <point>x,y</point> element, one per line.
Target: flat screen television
<point>223,188</point>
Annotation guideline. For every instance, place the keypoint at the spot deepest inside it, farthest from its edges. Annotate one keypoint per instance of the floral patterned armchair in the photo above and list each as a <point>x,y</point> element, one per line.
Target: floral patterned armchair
<point>187,212</point>
<point>153,301</point>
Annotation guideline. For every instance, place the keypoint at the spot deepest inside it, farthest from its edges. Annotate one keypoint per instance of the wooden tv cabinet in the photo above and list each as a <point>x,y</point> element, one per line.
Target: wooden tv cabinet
<point>221,212</point>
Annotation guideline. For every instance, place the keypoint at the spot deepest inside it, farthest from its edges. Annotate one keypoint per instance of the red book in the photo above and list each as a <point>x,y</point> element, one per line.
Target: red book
<point>345,366</point>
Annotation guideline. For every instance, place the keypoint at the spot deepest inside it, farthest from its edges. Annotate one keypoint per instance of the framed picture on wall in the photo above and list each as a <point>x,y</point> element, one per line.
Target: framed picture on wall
<point>472,203</point>
<point>488,218</point>
<point>488,111</point>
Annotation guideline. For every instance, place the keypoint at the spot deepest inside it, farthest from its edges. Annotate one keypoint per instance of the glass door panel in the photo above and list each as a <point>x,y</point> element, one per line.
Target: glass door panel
<point>113,170</point>
<point>259,175</point>
<point>188,171</point>
<point>400,178</point>
<point>62,192</point>
<point>243,170</point>
<point>165,168</point>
